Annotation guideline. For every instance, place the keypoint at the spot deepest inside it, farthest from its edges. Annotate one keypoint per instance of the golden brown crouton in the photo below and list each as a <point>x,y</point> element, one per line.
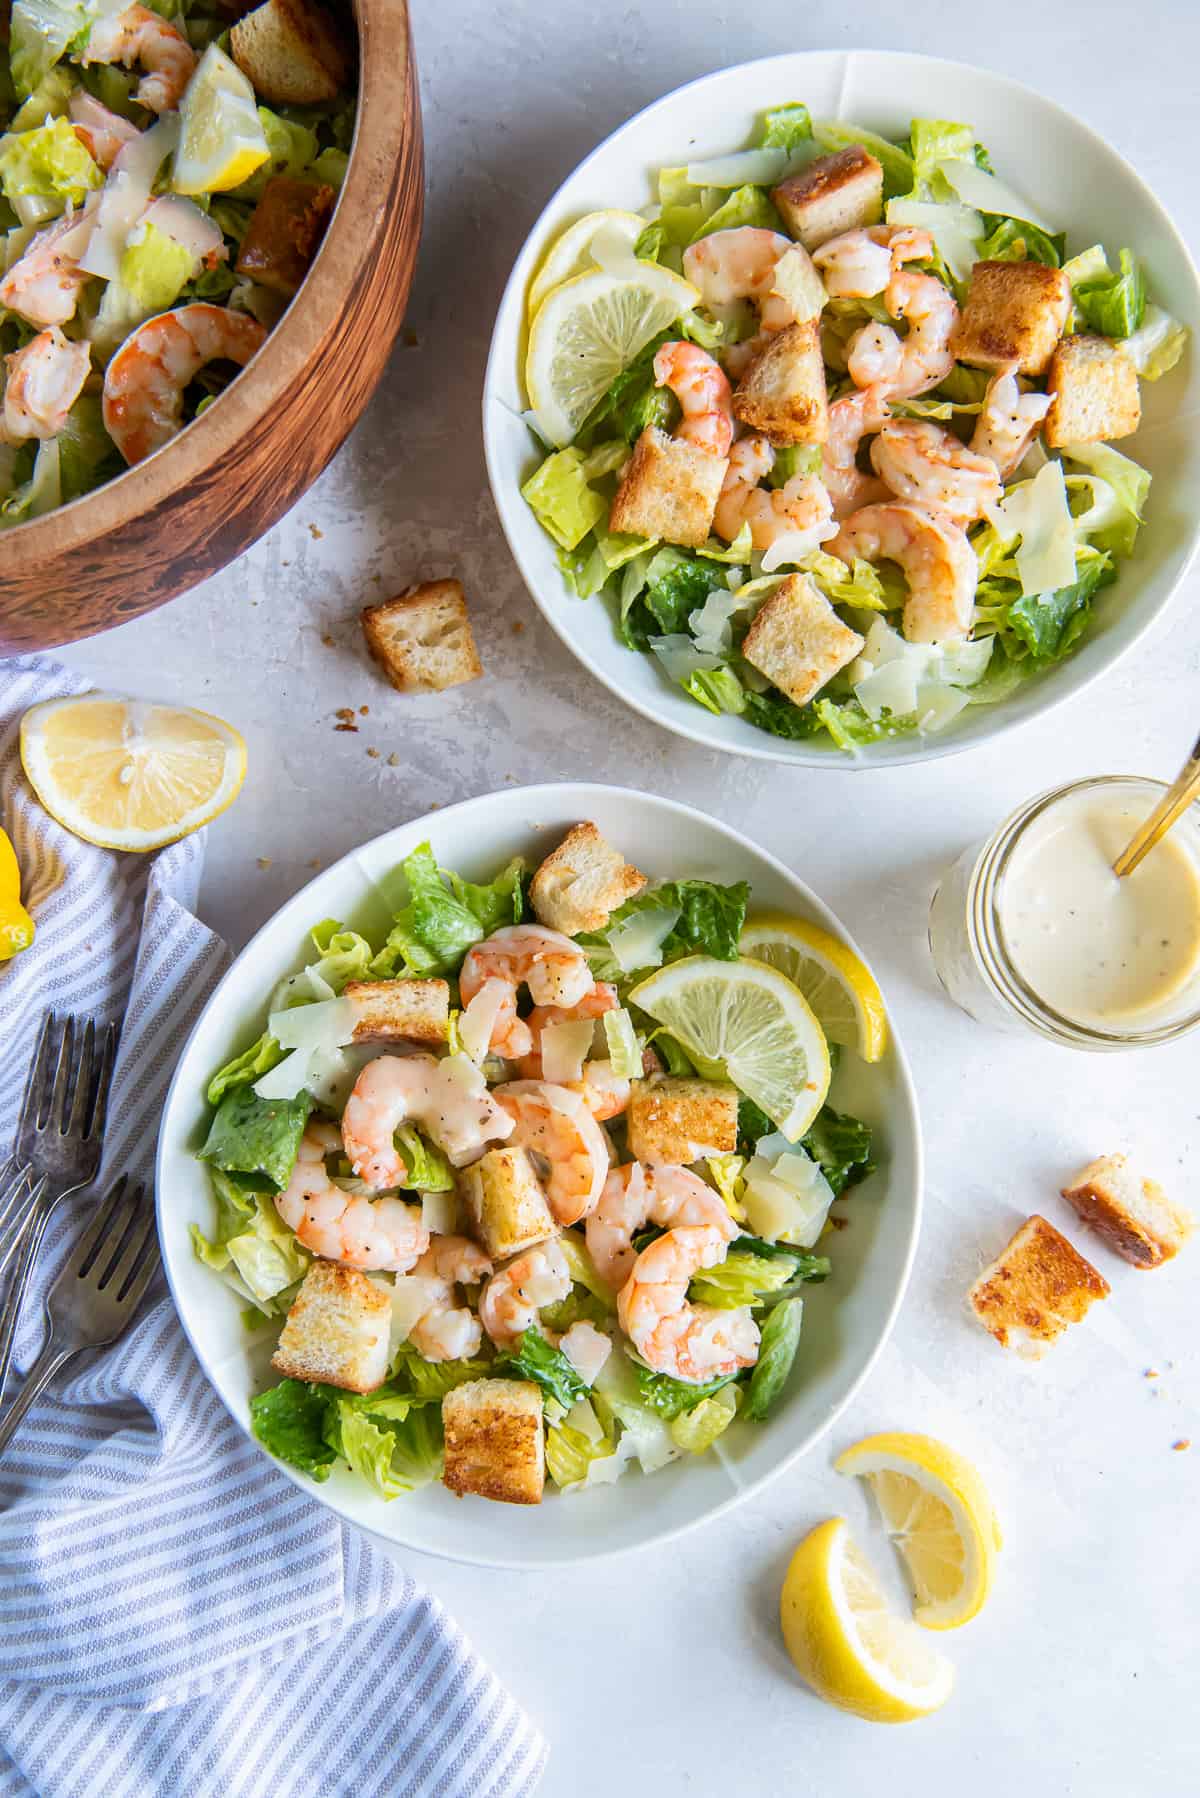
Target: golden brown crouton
<point>678,1121</point>
<point>413,1011</point>
<point>505,1202</point>
<point>1133,1215</point>
<point>834,194</point>
<point>1014,312</point>
<point>292,52</point>
<point>783,391</point>
<point>669,490</point>
<point>798,641</point>
<point>422,640</point>
<point>285,232</point>
<point>495,1447</point>
<point>582,882</point>
<point>1095,388</point>
<point>1039,1285</point>
<point>337,1330</point>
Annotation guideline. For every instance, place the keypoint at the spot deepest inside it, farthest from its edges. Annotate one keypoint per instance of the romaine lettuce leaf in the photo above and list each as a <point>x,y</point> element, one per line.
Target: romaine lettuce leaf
<point>772,712</point>
<point>292,148</point>
<point>695,1431</point>
<point>290,1420</point>
<point>582,1268</point>
<point>741,1279</point>
<point>428,1169</point>
<point>427,1380</point>
<point>1119,487</point>
<point>744,206</point>
<point>245,1068</point>
<point>1015,240</point>
<point>1049,624</point>
<point>717,690</point>
<point>154,268</point>
<point>392,1456</point>
<point>839,1144</point>
<point>1114,304</point>
<point>786,127</point>
<point>533,1358</point>
<point>445,916</point>
<point>39,33</point>
<point>343,954</point>
<point>560,498</point>
<point>1158,345</point>
<point>48,162</point>
<point>709,922</point>
<point>49,100</point>
<point>937,140</point>
<point>776,1353</point>
<point>570,1455</point>
<point>249,1135</point>
<point>669,1398</point>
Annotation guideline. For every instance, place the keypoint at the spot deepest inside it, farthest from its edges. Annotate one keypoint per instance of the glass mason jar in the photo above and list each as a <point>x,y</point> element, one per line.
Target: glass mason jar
<point>972,955</point>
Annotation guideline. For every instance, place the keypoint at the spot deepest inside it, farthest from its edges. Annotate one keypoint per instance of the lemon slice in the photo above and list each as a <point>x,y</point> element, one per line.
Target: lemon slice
<point>568,254</point>
<point>936,1509</point>
<point>586,331</point>
<point>745,1020</point>
<point>840,989</point>
<point>844,1641</point>
<point>127,774</point>
<point>221,141</point>
<point>16,925</point>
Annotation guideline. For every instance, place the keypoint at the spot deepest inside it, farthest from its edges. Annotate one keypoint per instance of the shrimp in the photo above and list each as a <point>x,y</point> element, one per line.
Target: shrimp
<point>636,1195</point>
<point>604,1093</point>
<point>737,265</point>
<point>145,381</point>
<point>859,264</point>
<point>801,507</point>
<point>554,969</point>
<point>45,283</point>
<point>567,1144</point>
<point>931,312</point>
<point>448,1331</point>
<point>44,381</point>
<point>1008,422</point>
<point>852,418</point>
<point>874,356</point>
<point>102,133</point>
<point>340,1226</point>
<point>510,1302</point>
<point>702,388</point>
<point>690,1342</point>
<point>141,36</point>
<point>449,1097</point>
<point>938,562</point>
<point>921,461</point>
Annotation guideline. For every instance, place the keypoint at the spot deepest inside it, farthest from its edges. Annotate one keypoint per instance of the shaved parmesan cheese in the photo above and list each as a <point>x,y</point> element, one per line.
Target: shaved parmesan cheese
<point>797,282</point>
<point>439,1213</point>
<point>1037,512</point>
<point>786,1199</point>
<point>638,942</point>
<point>793,546</point>
<point>412,1296</point>
<point>564,1048</point>
<point>183,220</point>
<point>478,1020</point>
<point>285,1079</point>
<point>938,706</point>
<point>126,195</point>
<point>892,687</point>
<point>753,168</point>
<point>905,679</point>
<point>680,657</point>
<point>954,228</point>
<point>327,1025</point>
<point>987,193</point>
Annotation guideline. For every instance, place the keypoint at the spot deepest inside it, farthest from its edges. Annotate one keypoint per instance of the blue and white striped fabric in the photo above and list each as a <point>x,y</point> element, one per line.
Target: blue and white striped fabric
<point>175,1619</point>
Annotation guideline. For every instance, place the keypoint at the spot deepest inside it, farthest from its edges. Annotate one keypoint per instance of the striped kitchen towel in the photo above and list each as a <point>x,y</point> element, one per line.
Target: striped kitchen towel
<point>175,1617</point>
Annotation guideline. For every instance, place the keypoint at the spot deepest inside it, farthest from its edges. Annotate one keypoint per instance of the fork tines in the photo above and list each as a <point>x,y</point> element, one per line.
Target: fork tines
<point>68,1095</point>
<point>112,1253</point>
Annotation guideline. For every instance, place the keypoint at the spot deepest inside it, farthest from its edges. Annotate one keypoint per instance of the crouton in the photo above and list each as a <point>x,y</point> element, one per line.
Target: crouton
<point>505,1202</point>
<point>292,52</point>
<point>1014,313</point>
<point>413,1011</point>
<point>678,1121</point>
<point>495,1447</point>
<point>1095,388</point>
<point>422,640</point>
<point>285,232</point>
<point>337,1330</point>
<point>669,490</point>
<point>783,391</point>
<point>1133,1215</point>
<point>581,883</point>
<point>1039,1285</point>
<point>798,641</point>
<point>834,194</point>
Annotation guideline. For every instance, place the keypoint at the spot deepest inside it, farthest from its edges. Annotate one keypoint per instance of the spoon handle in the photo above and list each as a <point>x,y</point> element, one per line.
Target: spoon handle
<point>1174,802</point>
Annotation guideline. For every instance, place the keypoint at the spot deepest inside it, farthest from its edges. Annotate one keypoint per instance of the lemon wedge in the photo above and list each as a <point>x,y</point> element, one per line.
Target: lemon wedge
<point>16,925</point>
<point>841,990</point>
<point>586,331</point>
<point>937,1511</point>
<point>221,140</point>
<point>845,1642</point>
<point>747,1021</point>
<point>568,254</point>
<point>128,774</point>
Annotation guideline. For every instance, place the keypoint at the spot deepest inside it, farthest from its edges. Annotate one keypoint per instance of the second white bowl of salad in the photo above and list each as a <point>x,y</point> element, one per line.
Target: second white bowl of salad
<point>837,408</point>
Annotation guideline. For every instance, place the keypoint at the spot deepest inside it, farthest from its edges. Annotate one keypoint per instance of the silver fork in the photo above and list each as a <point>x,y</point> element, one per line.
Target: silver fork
<point>96,1294</point>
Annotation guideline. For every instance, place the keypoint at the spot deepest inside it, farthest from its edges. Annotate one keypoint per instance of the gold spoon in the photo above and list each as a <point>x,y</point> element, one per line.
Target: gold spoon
<point>1170,808</point>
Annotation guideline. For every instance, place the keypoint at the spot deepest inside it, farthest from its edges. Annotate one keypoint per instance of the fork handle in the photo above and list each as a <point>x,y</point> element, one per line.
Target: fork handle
<point>11,1312</point>
<point>40,1376</point>
<point>19,1229</point>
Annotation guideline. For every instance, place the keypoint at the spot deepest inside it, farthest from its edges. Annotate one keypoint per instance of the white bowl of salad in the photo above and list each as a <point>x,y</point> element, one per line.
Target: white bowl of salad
<point>837,408</point>
<point>438,1241</point>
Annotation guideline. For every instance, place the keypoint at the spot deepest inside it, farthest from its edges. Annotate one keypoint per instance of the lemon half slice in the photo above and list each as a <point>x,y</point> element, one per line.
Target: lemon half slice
<point>16,925</point>
<point>841,990</point>
<point>128,774</point>
<point>221,141</point>
<point>569,255</point>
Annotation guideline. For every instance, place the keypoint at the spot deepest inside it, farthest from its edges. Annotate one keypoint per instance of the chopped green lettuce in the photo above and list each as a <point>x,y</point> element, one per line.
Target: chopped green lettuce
<point>329,167</point>
<point>934,141</point>
<point>86,454</point>
<point>559,495</point>
<point>533,1358</point>
<point>695,1431</point>
<point>343,954</point>
<point>897,164</point>
<point>252,1240</point>
<point>445,916</point>
<point>1049,624</point>
<point>582,1268</point>
<point>571,1455</point>
<point>669,1398</point>
<point>1158,345</point>
<point>745,206</point>
<point>741,1279</point>
<point>154,268</point>
<point>39,33</point>
<point>618,1398</point>
<point>249,1135</point>
<point>50,100</point>
<point>776,1353</point>
<point>840,1145</point>
<point>772,712</point>
<point>786,127</point>
<point>292,147</point>
<point>49,162</point>
<point>1015,240</point>
<point>861,584</point>
<point>717,690</point>
<point>427,1380</point>
<point>428,1169</point>
<point>245,1068</point>
<point>290,1421</point>
<point>1118,488</point>
<point>394,1455</point>
<point>1114,304</point>
<point>624,1050</point>
<point>709,917</point>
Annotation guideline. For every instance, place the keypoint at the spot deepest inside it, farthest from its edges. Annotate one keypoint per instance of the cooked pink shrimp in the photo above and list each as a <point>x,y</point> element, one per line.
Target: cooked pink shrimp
<point>938,562</point>
<point>689,1342</point>
<point>449,1098</point>
<point>1008,422</point>
<point>702,388</point>
<point>339,1226</point>
<point>931,312</point>
<point>448,1331</point>
<point>101,132</point>
<point>45,283</point>
<point>568,1146</point>
<point>510,1302</point>
<point>636,1195</point>
<point>554,969</point>
<point>874,356</point>
<point>860,263</point>
<point>145,381</point>
<point>852,418</point>
<point>594,1004</point>
<point>141,36</point>
<point>44,381</point>
<point>801,507</point>
<point>921,461</point>
<point>736,265</point>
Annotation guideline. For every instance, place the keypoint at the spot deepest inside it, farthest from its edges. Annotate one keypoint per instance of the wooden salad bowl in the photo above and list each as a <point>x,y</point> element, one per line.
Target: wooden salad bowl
<point>188,510</point>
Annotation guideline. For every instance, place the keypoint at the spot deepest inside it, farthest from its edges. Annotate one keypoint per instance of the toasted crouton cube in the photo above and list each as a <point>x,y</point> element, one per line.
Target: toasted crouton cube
<point>422,640</point>
<point>495,1445</point>
<point>505,1202</point>
<point>798,641</point>
<point>1133,1215</point>
<point>834,194</point>
<point>669,490</point>
<point>1039,1285</point>
<point>285,232</point>
<point>292,52</point>
<point>783,391</point>
<point>1014,313</point>
<point>337,1330</point>
<point>678,1121</point>
<point>1095,388</point>
<point>581,883</point>
<point>413,1011</point>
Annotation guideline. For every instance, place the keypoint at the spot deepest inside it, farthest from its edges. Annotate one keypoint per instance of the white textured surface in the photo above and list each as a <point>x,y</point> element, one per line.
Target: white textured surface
<point>664,1672</point>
